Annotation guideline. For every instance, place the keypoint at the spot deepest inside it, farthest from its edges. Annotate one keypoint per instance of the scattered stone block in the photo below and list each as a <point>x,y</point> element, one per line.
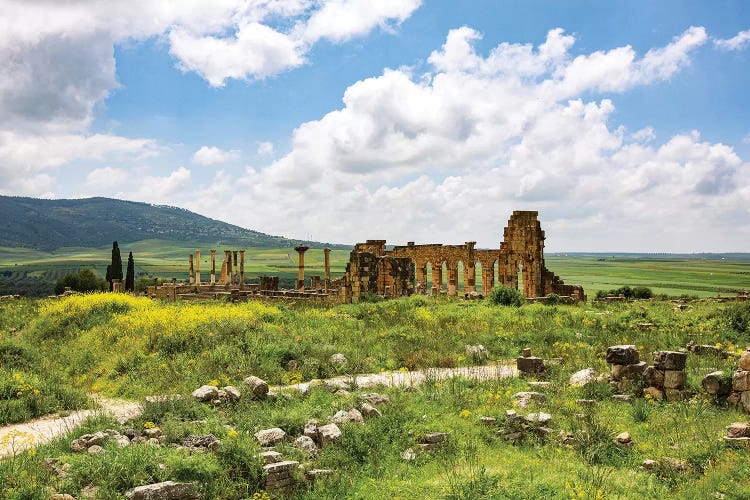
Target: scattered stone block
<point>258,386</point>
<point>269,437</point>
<point>370,411</point>
<point>435,437</point>
<point>745,360</point>
<point>583,377</point>
<point>539,418</point>
<point>61,496</point>
<point>206,393</point>
<point>78,445</point>
<point>526,352</point>
<point>315,474</point>
<point>306,444</point>
<point>490,421</point>
<point>649,464</point>
<point>408,454</point>
<point>375,399</point>
<point>653,376</point>
<point>670,360</point>
<point>624,439</point>
<point>634,370</point>
<point>539,384</point>
<point>622,355</point>
<point>311,429</point>
<point>716,384</point>
<point>674,379</point>
<point>741,380</point>
<point>95,450</point>
<point>623,398</point>
<point>271,457</point>
<point>526,397</point>
<point>738,430</point>
<point>168,490</point>
<point>478,353</point>
<point>232,393</point>
<point>674,395</point>
<point>530,364</point>
<point>329,433</point>
<point>654,393</point>
<point>338,360</point>
<point>352,415</point>
<point>207,441</point>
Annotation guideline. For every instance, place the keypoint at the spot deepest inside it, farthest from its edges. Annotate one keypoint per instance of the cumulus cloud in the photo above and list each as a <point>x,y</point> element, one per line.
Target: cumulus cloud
<point>211,155</point>
<point>737,42</point>
<point>158,189</point>
<point>265,148</point>
<point>448,155</point>
<point>106,178</point>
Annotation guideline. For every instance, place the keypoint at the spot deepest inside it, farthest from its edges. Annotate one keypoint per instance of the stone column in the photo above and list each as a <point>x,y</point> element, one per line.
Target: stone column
<point>213,267</point>
<point>301,266</point>
<point>236,278</point>
<point>452,279</point>
<point>488,277</point>
<point>327,267</point>
<point>174,289</point>
<point>197,267</point>
<point>470,277</point>
<point>421,271</point>
<point>192,277</point>
<point>242,268</point>
<point>437,278</point>
<point>228,258</point>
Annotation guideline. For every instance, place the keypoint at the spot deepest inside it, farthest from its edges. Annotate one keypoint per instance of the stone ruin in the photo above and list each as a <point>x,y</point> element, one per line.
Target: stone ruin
<point>398,272</point>
<point>402,271</point>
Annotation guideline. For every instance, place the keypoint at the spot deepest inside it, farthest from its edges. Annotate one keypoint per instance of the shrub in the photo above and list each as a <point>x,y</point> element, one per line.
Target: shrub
<point>83,281</point>
<point>552,299</point>
<point>502,296</point>
<point>738,317</point>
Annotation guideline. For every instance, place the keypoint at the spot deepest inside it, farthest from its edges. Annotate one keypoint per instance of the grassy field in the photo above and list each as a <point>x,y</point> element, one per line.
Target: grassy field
<point>125,346</point>
<point>157,258</point>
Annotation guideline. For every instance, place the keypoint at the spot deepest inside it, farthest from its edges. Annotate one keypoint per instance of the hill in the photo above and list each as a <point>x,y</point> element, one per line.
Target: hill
<point>95,222</point>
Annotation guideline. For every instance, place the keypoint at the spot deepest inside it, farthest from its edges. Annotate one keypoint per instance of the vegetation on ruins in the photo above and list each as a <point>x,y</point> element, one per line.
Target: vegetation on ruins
<point>83,281</point>
<point>120,345</point>
<point>504,296</point>
<point>636,292</point>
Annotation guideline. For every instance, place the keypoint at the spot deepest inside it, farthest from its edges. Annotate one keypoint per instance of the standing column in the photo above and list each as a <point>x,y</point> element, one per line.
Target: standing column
<point>192,278</point>
<point>470,277</point>
<point>327,267</point>
<point>228,258</point>
<point>421,271</point>
<point>437,278</point>
<point>301,266</point>
<point>235,276</point>
<point>213,267</point>
<point>452,279</point>
<point>197,267</point>
<point>242,268</point>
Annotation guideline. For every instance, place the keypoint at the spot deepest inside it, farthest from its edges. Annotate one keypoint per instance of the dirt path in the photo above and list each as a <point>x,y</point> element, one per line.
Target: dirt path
<point>17,437</point>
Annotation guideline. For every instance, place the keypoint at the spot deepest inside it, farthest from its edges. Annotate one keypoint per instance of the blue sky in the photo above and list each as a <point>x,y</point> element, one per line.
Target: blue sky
<point>624,123</point>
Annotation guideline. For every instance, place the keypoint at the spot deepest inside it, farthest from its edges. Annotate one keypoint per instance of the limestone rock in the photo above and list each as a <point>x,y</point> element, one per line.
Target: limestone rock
<point>269,437</point>
<point>478,353</point>
<point>97,438</point>
<point>530,364</point>
<point>168,490</point>
<point>61,496</point>
<point>122,441</point>
<point>336,384</point>
<point>208,441</point>
<point>258,386</point>
<point>408,454</point>
<point>206,393</point>
<point>634,370</point>
<point>716,384</point>
<point>329,434</point>
<point>352,415</point>
<point>674,379</point>
<point>654,392</point>
<point>489,421</point>
<point>95,450</point>
<point>539,418</point>
<point>624,439</point>
<point>653,376</point>
<point>232,392</point>
<point>307,445</point>
<point>526,397</point>
<point>649,464</point>
<point>315,474</point>
<point>338,360</point>
<point>375,399</point>
<point>623,398</point>
<point>153,432</point>
<point>435,437</point>
<point>677,395</point>
<point>311,429</point>
<point>745,401</point>
<point>622,355</point>
<point>745,360</point>
<point>271,457</point>
<point>741,380</point>
<point>738,430</point>
<point>78,445</point>
<point>540,384</point>
<point>370,411</point>
<point>342,393</point>
<point>583,377</point>
<point>670,360</point>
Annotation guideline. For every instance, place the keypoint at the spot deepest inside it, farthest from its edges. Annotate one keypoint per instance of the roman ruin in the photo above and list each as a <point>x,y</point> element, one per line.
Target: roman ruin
<point>397,272</point>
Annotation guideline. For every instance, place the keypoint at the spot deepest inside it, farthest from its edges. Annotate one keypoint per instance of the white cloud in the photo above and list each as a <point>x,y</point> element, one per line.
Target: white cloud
<point>159,189</point>
<point>211,155</point>
<point>737,42</point>
<point>106,178</point>
<point>265,148</point>
<point>447,156</point>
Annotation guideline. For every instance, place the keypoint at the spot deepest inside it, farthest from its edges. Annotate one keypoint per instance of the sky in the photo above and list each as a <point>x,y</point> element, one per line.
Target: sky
<point>624,123</point>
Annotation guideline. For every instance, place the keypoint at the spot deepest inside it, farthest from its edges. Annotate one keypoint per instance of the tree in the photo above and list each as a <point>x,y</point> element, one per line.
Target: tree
<point>502,296</point>
<point>83,281</point>
<point>130,275</point>
<point>108,276</point>
<point>115,270</point>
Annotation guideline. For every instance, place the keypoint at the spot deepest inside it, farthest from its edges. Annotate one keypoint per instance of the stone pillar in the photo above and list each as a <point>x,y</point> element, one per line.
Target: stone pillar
<point>228,258</point>
<point>192,277</point>
<point>197,267</point>
<point>437,278</point>
<point>421,271</point>
<point>213,267</point>
<point>174,289</point>
<point>236,277</point>
<point>315,282</point>
<point>452,279</point>
<point>242,268</point>
<point>488,277</point>
<point>327,267</point>
<point>470,277</point>
<point>301,266</point>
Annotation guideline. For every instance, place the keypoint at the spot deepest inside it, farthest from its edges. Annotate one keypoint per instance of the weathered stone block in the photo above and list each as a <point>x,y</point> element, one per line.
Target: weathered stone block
<point>745,360</point>
<point>674,395</point>
<point>622,355</point>
<point>741,380</point>
<point>435,437</point>
<point>738,429</point>
<point>269,437</point>
<point>258,386</point>
<point>745,401</point>
<point>653,376</point>
<point>206,393</point>
<point>716,384</point>
<point>631,371</point>
<point>654,393</point>
<point>674,379</point>
<point>168,490</point>
<point>329,434</point>
<point>670,360</point>
<point>530,364</point>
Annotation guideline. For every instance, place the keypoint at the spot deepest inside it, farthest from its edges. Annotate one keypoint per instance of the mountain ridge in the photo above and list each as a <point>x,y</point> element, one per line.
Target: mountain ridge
<point>48,224</point>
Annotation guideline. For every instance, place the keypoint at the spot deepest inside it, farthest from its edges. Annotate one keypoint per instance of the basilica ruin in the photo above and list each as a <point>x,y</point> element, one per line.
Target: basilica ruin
<point>373,269</point>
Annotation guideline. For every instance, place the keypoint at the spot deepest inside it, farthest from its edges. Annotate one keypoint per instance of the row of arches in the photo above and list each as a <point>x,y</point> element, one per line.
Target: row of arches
<point>445,277</point>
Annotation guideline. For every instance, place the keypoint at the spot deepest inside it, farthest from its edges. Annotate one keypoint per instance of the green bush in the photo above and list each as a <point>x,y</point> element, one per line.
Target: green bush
<point>552,299</point>
<point>738,317</point>
<point>502,296</point>
<point>83,281</point>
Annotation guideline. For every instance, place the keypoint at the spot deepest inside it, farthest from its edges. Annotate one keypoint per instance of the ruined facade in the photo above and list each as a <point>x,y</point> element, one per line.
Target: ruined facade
<point>404,268</point>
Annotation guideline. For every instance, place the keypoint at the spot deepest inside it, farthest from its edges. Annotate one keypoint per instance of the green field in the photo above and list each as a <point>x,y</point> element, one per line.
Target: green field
<point>167,259</point>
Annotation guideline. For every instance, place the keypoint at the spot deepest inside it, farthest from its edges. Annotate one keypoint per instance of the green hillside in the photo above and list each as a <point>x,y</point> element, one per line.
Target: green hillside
<point>96,222</point>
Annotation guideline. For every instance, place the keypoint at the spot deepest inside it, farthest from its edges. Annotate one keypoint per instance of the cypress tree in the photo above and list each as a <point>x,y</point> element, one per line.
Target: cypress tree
<point>108,276</point>
<point>116,262</point>
<point>130,275</point>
